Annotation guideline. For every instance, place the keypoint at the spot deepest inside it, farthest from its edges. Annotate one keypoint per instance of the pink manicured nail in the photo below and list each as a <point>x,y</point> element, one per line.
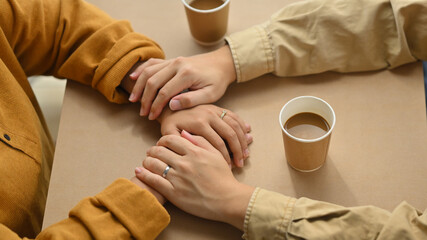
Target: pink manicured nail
<point>246,153</point>
<point>137,170</point>
<point>131,97</point>
<point>175,105</point>
<point>133,75</point>
<point>241,163</point>
<point>249,137</point>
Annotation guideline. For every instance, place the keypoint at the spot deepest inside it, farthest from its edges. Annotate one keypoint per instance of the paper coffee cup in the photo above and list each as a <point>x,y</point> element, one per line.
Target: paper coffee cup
<point>306,151</point>
<point>208,26</point>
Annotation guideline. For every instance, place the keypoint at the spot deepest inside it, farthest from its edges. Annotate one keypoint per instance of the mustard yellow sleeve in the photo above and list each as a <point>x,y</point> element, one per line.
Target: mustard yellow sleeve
<point>121,211</point>
<point>274,216</point>
<point>315,36</point>
<point>75,40</point>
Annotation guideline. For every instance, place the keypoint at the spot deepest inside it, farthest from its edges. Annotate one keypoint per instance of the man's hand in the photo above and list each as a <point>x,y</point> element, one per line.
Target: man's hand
<point>159,82</point>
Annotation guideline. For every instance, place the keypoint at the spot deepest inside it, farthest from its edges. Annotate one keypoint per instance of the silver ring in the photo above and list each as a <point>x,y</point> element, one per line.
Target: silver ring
<point>223,114</point>
<point>165,172</point>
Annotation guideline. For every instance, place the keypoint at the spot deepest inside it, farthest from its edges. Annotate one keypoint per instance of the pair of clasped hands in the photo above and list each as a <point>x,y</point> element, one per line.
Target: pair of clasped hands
<point>199,144</point>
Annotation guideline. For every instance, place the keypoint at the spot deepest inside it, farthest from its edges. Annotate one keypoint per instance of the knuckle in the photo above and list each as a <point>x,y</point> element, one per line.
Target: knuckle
<point>186,70</point>
<point>179,60</point>
<point>186,101</point>
<point>163,93</point>
<point>230,135</point>
<point>147,163</point>
<point>211,96</point>
<point>146,73</point>
<point>219,143</point>
<point>154,151</point>
<point>167,139</point>
<point>233,124</point>
<point>200,121</point>
<point>150,83</point>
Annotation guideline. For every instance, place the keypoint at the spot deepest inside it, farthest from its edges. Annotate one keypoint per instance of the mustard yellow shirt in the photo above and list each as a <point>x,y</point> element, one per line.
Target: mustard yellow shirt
<point>67,39</point>
<point>331,35</point>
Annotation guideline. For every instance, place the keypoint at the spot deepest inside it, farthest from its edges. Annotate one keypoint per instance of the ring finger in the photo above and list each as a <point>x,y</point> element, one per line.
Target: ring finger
<point>158,167</point>
<point>228,133</point>
<point>233,123</point>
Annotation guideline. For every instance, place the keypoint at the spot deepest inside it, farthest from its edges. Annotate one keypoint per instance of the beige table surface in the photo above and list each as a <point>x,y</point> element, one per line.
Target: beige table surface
<point>378,151</point>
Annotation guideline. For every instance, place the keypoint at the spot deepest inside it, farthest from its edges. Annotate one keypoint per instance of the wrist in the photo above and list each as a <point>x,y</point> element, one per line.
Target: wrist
<point>234,210</point>
<point>143,186</point>
<point>127,83</point>
<point>227,63</point>
<point>165,113</point>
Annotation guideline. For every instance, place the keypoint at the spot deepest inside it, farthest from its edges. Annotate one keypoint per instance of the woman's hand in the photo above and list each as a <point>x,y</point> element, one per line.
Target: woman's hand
<point>158,81</point>
<point>198,181</point>
<point>142,185</point>
<point>229,133</point>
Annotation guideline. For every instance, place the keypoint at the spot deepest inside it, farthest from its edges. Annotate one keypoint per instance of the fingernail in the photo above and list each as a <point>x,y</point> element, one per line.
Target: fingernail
<point>131,97</point>
<point>241,163</point>
<point>132,75</point>
<point>246,153</point>
<point>248,137</point>
<point>151,116</point>
<point>248,127</point>
<point>230,165</point>
<point>141,112</point>
<point>175,105</point>
<point>138,170</point>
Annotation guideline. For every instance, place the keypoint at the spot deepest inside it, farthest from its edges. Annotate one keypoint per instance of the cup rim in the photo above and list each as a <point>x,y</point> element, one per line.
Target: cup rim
<point>302,139</point>
<point>205,11</point>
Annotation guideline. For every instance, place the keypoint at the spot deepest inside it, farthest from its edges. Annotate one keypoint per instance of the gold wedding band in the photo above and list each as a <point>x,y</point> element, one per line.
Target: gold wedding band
<point>223,114</point>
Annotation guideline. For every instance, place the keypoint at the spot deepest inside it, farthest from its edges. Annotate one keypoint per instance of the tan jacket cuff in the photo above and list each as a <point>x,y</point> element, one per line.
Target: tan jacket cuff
<point>252,53</point>
<point>268,215</point>
<point>139,211</point>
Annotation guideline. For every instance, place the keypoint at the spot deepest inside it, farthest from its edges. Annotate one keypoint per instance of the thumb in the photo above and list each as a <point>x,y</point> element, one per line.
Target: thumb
<point>197,140</point>
<point>191,98</point>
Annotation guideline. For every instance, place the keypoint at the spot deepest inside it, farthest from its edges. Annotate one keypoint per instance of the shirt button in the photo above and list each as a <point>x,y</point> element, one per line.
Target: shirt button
<point>7,137</point>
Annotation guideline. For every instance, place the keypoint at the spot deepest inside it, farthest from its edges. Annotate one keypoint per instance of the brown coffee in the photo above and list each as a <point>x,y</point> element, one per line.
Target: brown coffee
<point>206,4</point>
<point>307,125</point>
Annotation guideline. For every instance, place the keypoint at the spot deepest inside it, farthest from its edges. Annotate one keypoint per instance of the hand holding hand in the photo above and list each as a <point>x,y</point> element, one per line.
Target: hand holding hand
<point>158,81</point>
<point>198,180</point>
<point>206,121</point>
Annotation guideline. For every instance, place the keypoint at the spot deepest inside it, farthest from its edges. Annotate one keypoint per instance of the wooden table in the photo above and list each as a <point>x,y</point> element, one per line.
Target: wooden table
<point>377,155</point>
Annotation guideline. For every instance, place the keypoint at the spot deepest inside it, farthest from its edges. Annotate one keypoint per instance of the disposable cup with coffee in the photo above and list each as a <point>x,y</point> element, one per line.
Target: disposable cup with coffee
<point>207,20</point>
<point>307,123</point>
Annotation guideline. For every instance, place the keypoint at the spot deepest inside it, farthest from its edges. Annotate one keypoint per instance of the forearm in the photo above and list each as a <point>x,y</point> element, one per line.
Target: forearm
<point>76,41</point>
<point>234,209</point>
<point>122,210</point>
<point>224,60</point>
<point>345,36</point>
<point>272,214</point>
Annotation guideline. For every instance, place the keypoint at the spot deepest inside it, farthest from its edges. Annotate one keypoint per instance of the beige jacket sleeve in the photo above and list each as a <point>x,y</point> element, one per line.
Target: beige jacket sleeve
<point>334,35</point>
<point>271,215</point>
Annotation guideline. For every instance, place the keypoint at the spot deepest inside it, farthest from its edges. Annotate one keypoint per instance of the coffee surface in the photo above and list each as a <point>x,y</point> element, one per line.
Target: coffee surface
<point>206,4</point>
<point>307,126</point>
